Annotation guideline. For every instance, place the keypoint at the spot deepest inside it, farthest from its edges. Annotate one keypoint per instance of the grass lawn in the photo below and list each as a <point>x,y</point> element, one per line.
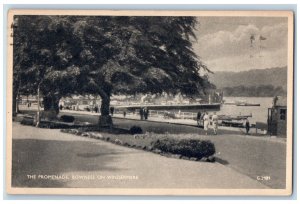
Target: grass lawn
<point>144,141</point>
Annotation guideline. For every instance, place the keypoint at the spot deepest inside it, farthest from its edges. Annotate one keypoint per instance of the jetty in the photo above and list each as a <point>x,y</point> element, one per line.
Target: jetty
<point>241,103</point>
<point>203,107</point>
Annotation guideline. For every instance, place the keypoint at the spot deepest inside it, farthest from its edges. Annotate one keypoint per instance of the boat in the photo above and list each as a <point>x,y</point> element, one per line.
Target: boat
<point>247,104</point>
<point>229,103</point>
<point>234,123</point>
<point>233,120</point>
<point>241,103</point>
<point>234,117</point>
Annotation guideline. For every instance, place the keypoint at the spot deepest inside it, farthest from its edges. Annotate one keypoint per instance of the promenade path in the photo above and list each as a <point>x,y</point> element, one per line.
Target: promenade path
<point>39,151</point>
<point>189,122</point>
<point>250,155</point>
<point>254,156</point>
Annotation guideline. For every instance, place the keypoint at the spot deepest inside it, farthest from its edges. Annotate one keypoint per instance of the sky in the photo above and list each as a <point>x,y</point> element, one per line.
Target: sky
<point>223,43</point>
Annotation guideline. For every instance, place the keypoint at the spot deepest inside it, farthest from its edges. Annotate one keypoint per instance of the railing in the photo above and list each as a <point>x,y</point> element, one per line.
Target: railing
<point>166,114</point>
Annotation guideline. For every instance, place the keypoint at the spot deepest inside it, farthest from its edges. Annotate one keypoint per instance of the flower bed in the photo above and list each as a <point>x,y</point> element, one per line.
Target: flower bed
<point>52,124</point>
<point>191,148</point>
<point>188,149</point>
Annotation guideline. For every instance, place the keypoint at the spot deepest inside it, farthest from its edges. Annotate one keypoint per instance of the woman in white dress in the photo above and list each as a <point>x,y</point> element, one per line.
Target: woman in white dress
<point>215,123</point>
<point>206,122</point>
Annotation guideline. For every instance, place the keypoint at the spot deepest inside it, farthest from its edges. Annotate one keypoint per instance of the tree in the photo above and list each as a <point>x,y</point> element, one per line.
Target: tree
<point>43,58</point>
<point>138,55</point>
<point>107,55</point>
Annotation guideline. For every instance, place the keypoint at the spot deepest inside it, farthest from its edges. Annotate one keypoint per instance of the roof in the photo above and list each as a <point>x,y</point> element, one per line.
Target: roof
<point>282,101</point>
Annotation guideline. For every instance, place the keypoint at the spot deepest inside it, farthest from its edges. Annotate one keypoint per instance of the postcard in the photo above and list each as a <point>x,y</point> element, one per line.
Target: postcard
<point>115,102</point>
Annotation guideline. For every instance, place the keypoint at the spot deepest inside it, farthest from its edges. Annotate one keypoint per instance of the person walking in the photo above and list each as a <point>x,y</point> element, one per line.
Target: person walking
<point>146,113</point>
<point>215,123</point>
<point>206,122</point>
<point>112,110</point>
<point>142,113</point>
<point>96,109</point>
<point>247,125</point>
<point>198,118</point>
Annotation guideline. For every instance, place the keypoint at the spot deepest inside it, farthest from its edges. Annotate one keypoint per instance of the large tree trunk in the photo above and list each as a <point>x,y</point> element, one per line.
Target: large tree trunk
<point>14,105</point>
<point>51,103</point>
<point>105,106</point>
<point>51,108</point>
<point>105,119</point>
<point>38,114</point>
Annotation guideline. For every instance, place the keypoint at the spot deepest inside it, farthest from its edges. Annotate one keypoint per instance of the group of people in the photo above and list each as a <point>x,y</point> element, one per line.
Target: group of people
<point>206,121</point>
<point>214,120</point>
<point>28,104</point>
<point>144,113</point>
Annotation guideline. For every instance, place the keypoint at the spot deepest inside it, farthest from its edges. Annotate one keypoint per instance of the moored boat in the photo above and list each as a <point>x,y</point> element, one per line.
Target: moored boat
<point>241,103</point>
<point>247,104</point>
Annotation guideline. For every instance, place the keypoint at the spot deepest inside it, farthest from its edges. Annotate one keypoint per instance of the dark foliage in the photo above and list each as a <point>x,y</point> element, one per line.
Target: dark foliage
<point>135,130</point>
<point>186,147</point>
<point>105,55</point>
<point>67,118</point>
<point>27,121</point>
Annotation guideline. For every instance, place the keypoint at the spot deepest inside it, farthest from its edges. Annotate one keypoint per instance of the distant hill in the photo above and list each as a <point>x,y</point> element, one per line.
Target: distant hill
<point>254,91</point>
<point>276,77</point>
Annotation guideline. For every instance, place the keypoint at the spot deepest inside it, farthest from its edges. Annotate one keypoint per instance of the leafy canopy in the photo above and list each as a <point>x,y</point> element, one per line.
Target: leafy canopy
<point>107,54</point>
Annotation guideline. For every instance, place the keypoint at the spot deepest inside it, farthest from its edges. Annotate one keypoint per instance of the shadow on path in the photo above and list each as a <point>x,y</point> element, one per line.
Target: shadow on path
<point>52,157</point>
<point>221,161</point>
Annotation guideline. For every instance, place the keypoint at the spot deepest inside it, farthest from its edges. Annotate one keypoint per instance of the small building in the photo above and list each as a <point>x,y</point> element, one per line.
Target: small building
<point>78,102</point>
<point>277,116</point>
<point>25,99</point>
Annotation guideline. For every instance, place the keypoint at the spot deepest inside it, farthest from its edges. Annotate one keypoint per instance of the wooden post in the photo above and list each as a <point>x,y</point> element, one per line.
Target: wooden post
<point>17,103</point>
<point>38,104</point>
<point>256,128</point>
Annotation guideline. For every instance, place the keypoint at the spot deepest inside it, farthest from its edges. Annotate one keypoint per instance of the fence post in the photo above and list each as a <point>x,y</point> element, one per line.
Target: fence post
<point>256,127</point>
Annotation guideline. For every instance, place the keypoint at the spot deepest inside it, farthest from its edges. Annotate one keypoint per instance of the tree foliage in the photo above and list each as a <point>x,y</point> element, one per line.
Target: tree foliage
<point>141,54</point>
<point>106,55</point>
<point>43,57</point>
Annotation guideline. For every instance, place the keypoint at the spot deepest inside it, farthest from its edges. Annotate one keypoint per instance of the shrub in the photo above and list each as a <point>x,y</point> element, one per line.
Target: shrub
<point>135,130</point>
<point>48,115</point>
<point>67,118</point>
<point>27,121</point>
<point>186,147</point>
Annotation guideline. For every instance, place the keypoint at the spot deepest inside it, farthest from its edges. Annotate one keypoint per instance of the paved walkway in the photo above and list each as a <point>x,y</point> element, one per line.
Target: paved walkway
<point>186,122</point>
<point>250,155</point>
<point>85,162</point>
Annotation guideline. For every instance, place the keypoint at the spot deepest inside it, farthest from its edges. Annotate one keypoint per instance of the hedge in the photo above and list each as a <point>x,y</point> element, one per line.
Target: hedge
<point>27,121</point>
<point>186,147</point>
<point>135,130</point>
<point>67,118</point>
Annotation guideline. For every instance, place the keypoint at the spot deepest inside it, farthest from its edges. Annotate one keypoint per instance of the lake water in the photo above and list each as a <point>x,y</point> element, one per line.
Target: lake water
<point>259,113</point>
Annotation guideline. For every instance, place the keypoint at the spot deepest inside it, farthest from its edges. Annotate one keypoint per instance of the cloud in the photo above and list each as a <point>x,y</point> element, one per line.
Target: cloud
<point>230,46</point>
<point>264,59</point>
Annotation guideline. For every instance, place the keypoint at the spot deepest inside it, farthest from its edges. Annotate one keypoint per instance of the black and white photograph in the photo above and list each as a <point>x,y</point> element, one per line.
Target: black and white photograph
<point>104,102</point>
